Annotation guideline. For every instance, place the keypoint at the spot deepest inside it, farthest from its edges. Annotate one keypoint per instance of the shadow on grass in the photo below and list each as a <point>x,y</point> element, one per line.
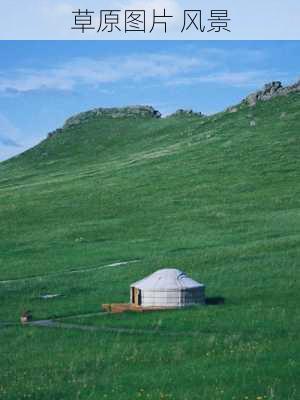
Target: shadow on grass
<point>214,301</point>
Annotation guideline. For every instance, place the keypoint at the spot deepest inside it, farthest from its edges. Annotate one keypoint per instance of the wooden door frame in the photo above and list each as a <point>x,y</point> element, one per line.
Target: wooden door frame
<point>136,296</point>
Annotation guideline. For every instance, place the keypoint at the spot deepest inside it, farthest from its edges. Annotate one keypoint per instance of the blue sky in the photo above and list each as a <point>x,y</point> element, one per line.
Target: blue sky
<point>44,82</point>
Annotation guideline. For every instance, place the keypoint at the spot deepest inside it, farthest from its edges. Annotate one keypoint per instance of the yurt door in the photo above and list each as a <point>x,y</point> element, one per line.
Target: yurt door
<point>136,296</point>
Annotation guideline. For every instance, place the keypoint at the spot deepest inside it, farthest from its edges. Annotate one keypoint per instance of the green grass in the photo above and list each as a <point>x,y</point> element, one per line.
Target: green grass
<point>212,196</point>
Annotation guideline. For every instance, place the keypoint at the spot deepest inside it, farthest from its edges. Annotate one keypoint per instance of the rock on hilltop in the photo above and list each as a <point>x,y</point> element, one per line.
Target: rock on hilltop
<point>133,112</point>
<point>186,113</point>
<point>271,90</point>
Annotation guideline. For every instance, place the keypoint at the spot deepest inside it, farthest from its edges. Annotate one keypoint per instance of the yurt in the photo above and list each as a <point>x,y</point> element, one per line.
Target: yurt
<point>165,288</point>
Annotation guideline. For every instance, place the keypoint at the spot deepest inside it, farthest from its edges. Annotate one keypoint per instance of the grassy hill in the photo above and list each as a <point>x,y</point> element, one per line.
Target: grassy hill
<point>217,197</point>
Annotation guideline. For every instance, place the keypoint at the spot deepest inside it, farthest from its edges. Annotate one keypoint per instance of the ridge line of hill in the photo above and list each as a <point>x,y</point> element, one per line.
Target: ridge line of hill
<point>269,91</point>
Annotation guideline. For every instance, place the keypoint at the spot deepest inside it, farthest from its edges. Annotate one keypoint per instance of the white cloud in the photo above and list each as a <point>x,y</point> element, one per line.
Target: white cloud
<point>87,71</point>
<point>6,141</point>
<point>9,139</point>
<point>165,68</point>
<point>9,135</point>
<point>12,140</point>
<point>249,79</point>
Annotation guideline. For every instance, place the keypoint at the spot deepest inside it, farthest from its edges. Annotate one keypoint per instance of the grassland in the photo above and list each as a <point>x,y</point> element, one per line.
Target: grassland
<point>213,196</point>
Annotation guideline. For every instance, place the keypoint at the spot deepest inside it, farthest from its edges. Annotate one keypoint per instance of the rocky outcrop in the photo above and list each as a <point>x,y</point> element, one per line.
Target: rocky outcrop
<point>269,91</point>
<point>54,133</point>
<point>182,113</point>
<point>130,112</point>
<point>232,109</point>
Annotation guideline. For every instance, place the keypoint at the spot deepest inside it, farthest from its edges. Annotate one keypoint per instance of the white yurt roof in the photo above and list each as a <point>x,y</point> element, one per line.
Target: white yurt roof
<point>167,279</point>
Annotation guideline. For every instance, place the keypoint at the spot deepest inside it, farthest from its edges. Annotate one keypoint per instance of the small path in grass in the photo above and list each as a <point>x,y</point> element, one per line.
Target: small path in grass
<point>90,328</point>
<point>68,272</point>
<point>4,324</point>
<point>94,314</point>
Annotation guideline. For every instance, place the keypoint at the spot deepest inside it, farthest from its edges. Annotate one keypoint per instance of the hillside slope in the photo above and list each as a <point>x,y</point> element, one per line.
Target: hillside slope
<point>217,197</point>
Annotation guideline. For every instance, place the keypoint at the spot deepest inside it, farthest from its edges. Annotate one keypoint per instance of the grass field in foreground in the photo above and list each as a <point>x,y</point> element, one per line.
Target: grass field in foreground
<point>213,196</point>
